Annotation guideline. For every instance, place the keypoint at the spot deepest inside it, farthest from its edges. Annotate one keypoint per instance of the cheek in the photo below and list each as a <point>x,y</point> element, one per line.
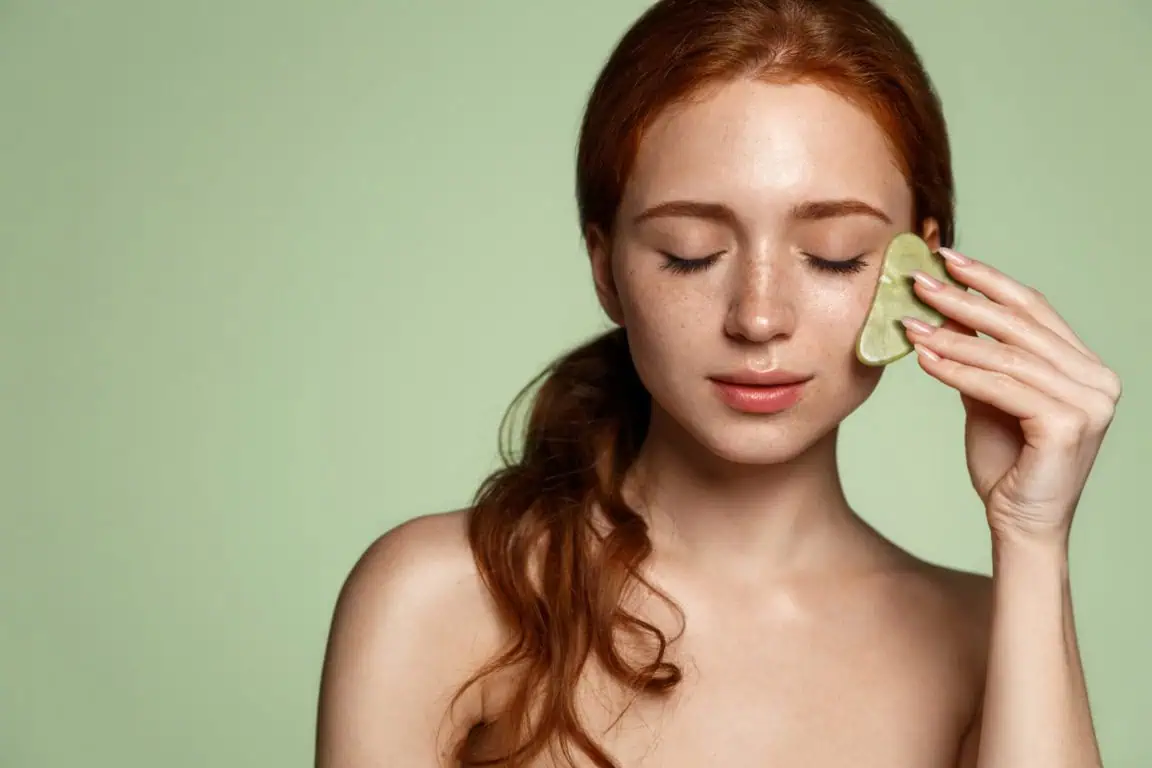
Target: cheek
<point>841,306</point>
<point>668,322</point>
<point>656,307</point>
<point>841,315</point>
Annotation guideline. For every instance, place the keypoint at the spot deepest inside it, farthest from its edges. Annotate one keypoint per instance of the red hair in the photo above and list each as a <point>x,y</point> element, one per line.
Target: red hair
<point>552,536</point>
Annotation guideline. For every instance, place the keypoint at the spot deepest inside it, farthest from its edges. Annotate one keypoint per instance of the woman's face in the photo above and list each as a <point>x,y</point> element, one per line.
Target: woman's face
<point>749,241</point>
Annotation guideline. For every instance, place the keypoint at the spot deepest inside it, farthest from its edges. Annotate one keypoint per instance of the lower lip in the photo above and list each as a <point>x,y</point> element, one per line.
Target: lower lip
<point>755,399</point>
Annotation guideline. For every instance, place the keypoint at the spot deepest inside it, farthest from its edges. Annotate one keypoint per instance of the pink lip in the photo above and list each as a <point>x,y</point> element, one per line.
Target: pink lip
<point>751,392</point>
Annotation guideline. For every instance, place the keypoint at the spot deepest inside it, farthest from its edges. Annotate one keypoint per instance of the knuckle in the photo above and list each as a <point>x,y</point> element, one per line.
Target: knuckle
<point>1068,426</point>
<point>1100,412</point>
<point>1002,380</point>
<point>948,341</point>
<point>1112,385</point>
<point>1102,419</point>
<point>1026,300</point>
<point>1018,323</point>
<point>1012,360</point>
<point>1034,298</point>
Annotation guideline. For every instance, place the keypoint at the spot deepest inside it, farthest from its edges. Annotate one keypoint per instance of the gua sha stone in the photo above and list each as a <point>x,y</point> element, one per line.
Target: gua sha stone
<point>882,340</point>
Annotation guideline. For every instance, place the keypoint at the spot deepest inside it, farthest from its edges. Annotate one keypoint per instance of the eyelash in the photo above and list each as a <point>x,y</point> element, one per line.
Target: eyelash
<point>683,266</point>
<point>847,267</point>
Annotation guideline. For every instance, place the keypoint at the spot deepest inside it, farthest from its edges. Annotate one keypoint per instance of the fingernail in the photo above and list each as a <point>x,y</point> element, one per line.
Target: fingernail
<point>917,326</point>
<point>927,281</point>
<point>955,257</point>
<point>923,351</point>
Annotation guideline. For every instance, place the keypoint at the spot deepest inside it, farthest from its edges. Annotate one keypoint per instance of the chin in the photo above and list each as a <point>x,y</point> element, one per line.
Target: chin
<point>741,438</point>
<point>757,441</point>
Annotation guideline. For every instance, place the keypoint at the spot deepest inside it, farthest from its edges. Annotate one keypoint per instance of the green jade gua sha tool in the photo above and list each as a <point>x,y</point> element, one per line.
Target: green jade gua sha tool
<point>882,340</point>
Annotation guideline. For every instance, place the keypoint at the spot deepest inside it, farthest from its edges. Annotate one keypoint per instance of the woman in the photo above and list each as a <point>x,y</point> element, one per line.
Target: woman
<point>669,574</point>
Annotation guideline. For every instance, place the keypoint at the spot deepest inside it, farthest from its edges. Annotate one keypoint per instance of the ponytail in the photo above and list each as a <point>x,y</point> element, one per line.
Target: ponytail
<point>557,547</point>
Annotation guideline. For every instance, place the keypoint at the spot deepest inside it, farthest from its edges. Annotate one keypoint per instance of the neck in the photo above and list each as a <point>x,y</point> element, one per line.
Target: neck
<point>721,515</point>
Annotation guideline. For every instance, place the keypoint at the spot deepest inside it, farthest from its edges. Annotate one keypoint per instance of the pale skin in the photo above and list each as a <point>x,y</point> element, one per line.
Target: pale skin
<point>810,639</point>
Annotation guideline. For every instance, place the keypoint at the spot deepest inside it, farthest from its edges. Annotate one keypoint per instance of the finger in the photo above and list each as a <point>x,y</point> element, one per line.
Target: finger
<point>996,389</point>
<point>1059,424</point>
<point>1011,293</point>
<point>1011,327</point>
<point>1022,366</point>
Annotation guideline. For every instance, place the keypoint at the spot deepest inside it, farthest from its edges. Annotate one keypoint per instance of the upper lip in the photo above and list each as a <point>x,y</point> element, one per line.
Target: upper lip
<point>774,378</point>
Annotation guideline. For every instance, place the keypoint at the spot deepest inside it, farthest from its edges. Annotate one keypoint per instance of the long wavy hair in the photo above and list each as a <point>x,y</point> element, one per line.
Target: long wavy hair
<point>553,538</point>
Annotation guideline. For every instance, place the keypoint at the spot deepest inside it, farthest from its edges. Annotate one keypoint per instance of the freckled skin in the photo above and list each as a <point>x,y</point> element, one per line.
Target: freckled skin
<point>809,638</point>
<point>758,151</point>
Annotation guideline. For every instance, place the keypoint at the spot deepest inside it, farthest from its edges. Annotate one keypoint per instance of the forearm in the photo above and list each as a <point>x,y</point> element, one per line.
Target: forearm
<point>1036,712</point>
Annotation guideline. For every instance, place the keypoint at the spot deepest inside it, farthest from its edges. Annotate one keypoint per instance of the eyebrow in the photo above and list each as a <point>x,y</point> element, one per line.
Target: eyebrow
<point>809,210</point>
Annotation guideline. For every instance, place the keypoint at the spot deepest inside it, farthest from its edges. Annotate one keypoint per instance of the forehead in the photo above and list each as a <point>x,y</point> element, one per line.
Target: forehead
<point>762,146</point>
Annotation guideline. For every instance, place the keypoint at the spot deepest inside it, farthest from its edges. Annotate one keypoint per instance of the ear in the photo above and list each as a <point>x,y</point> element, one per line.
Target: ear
<point>600,254</point>
<point>930,233</point>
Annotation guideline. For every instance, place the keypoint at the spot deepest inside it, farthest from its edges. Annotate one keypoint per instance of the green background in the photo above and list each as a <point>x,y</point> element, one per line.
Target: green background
<point>271,271</point>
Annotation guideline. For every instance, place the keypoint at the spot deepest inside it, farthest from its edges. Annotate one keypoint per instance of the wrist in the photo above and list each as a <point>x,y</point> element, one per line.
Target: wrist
<point>1037,533</point>
<point>1030,552</point>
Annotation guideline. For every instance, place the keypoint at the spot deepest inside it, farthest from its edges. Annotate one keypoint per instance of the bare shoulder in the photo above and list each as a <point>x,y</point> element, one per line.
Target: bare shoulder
<point>421,562</point>
<point>951,610</point>
<point>966,595</point>
<point>419,576</point>
<point>412,623</point>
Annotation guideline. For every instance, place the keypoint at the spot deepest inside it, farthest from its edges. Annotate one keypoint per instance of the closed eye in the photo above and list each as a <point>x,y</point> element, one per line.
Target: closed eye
<point>680,265</point>
<point>845,267</point>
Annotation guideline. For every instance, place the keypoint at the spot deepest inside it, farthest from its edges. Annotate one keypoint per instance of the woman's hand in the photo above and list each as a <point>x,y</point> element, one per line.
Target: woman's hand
<point>1038,401</point>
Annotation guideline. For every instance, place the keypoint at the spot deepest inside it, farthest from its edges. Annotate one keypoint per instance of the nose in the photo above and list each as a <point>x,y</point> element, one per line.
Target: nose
<point>762,305</point>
